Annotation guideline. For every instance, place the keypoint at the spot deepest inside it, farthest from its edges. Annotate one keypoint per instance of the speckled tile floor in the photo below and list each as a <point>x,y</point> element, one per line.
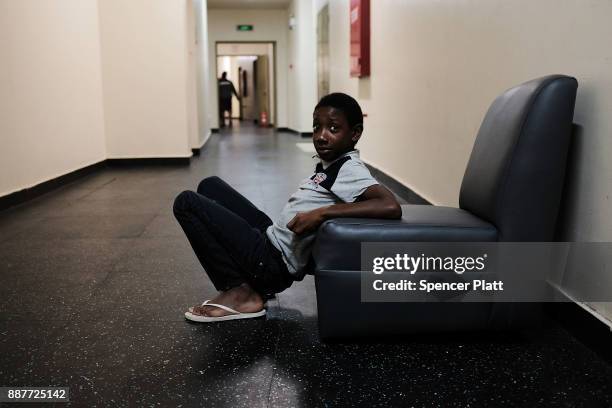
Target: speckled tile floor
<point>95,278</point>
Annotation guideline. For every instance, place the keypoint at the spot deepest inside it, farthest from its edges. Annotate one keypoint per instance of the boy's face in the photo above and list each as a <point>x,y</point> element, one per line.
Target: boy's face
<point>331,134</point>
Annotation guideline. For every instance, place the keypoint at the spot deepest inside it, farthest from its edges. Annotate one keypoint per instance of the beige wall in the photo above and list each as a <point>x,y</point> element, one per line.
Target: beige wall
<point>269,25</point>
<point>303,65</point>
<point>436,67</point>
<point>51,114</point>
<point>86,80</point>
<point>146,52</point>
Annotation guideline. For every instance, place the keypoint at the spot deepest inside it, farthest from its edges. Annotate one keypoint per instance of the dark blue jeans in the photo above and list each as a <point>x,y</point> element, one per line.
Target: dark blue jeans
<point>228,234</point>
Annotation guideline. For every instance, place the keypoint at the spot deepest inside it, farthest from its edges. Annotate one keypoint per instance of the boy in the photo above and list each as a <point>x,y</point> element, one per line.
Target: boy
<point>245,254</point>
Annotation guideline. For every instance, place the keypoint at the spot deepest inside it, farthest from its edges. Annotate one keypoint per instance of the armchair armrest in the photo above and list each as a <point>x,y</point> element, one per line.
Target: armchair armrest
<point>338,242</point>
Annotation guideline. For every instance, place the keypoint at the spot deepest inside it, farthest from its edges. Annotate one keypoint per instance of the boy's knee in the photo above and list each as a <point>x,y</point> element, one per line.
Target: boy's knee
<point>208,183</point>
<point>181,202</point>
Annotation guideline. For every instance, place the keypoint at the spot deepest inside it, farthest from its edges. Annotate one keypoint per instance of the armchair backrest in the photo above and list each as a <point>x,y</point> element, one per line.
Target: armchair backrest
<point>515,175</point>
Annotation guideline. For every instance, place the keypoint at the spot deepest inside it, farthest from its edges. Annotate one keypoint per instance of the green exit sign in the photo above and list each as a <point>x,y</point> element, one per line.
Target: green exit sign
<point>244,27</point>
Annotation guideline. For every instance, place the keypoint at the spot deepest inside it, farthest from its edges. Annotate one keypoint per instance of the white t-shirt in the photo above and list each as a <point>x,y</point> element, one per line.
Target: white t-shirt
<point>342,180</point>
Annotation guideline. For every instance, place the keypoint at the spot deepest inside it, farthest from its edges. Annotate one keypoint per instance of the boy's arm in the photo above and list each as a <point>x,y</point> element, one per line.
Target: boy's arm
<point>375,202</point>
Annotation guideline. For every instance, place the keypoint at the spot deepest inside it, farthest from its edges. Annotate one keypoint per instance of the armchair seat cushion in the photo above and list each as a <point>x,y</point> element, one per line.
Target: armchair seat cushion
<point>338,243</point>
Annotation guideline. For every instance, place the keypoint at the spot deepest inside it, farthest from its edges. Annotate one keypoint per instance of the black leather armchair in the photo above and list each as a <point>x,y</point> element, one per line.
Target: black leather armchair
<point>511,191</point>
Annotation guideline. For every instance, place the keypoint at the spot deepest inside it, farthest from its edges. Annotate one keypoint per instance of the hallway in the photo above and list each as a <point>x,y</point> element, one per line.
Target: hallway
<point>96,277</point>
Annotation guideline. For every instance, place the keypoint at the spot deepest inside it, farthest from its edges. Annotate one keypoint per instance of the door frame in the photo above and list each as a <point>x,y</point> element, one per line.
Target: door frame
<point>275,70</point>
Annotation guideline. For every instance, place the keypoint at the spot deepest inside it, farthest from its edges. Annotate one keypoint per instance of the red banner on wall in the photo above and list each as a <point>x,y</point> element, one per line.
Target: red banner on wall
<point>360,38</point>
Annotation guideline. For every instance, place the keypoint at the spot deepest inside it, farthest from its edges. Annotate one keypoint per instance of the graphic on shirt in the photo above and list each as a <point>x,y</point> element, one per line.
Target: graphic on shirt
<point>326,177</point>
<point>318,178</point>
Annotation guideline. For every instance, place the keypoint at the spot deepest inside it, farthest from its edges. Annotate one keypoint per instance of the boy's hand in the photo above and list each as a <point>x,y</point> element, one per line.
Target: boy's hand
<point>306,222</point>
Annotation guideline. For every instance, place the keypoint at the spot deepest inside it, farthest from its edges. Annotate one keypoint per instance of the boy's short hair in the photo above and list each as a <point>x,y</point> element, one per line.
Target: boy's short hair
<point>345,103</point>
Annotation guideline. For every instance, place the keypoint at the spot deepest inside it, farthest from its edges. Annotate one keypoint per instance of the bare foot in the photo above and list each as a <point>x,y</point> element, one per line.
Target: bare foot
<point>241,298</point>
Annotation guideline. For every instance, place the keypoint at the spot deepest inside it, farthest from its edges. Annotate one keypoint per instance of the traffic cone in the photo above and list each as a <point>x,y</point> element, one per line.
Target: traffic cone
<point>263,119</point>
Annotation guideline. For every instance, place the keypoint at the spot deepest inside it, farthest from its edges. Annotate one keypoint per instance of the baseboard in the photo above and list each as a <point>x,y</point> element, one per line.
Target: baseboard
<point>584,326</point>
<point>295,132</point>
<point>27,194</point>
<point>197,150</point>
<point>149,161</point>
<point>398,188</point>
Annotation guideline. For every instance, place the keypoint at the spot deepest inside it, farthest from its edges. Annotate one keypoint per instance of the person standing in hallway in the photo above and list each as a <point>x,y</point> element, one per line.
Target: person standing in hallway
<point>226,90</point>
<point>246,255</point>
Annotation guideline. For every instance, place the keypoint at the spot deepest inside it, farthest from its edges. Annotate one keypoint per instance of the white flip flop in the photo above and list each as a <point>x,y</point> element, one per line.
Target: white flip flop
<point>235,315</point>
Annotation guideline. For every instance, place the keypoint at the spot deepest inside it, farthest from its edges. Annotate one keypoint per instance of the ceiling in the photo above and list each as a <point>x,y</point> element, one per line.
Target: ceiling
<point>248,4</point>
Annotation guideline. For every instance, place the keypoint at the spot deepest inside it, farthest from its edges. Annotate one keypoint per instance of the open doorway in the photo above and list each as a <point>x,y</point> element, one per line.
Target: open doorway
<point>250,66</point>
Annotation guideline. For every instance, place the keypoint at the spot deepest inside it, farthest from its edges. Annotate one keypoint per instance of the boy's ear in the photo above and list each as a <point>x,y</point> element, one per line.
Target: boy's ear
<point>357,131</point>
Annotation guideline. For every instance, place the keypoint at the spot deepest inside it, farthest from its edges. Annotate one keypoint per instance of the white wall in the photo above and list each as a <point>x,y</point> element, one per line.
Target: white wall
<point>269,25</point>
<point>145,69</point>
<point>436,67</point>
<point>303,65</point>
<point>51,113</point>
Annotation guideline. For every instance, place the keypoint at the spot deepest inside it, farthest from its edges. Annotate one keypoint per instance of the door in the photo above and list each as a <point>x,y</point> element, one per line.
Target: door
<point>262,86</point>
